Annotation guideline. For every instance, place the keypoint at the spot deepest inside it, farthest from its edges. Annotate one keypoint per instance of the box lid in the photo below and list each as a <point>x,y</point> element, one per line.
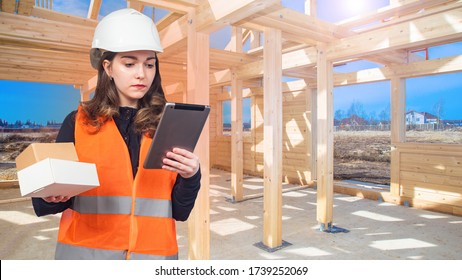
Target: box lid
<point>36,152</point>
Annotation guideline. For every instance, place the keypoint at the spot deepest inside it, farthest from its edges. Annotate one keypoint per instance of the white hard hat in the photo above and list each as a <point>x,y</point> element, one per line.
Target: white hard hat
<point>124,30</point>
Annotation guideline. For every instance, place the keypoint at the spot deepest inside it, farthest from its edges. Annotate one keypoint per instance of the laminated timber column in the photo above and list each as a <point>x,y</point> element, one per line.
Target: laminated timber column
<point>272,100</point>
<point>311,132</point>
<point>325,141</point>
<point>198,93</point>
<point>237,149</point>
<point>398,129</point>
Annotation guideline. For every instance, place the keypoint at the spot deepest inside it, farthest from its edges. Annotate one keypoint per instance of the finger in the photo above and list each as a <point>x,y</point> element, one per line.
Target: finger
<point>174,163</point>
<point>183,152</point>
<point>51,199</point>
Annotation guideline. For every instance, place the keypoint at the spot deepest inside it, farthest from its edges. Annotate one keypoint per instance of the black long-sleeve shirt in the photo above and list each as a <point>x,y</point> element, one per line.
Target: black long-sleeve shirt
<point>184,192</point>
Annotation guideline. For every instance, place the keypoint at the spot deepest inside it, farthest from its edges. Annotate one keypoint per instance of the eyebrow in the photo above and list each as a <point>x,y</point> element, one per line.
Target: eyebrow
<point>135,58</point>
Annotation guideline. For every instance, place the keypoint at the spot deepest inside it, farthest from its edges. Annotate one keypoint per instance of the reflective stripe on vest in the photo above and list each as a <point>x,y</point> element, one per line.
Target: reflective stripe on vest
<point>102,204</point>
<point>71,252</point>
<point>122,205</point>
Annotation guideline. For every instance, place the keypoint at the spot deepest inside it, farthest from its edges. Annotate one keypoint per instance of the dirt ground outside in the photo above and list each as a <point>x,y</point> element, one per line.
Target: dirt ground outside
<point>358,155</point>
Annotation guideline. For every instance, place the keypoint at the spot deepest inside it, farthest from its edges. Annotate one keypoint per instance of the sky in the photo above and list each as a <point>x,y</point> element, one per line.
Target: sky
<point>41,102</point>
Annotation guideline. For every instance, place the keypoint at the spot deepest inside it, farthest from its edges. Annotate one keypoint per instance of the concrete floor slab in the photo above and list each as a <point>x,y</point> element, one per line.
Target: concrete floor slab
<point>376,231</point>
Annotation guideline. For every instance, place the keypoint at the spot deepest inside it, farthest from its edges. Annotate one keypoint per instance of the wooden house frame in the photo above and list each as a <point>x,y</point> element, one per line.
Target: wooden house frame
<point>40,45</point>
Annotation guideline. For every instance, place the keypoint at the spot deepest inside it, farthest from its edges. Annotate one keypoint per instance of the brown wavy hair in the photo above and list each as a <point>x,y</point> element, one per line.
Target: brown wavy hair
<point>105,103</point>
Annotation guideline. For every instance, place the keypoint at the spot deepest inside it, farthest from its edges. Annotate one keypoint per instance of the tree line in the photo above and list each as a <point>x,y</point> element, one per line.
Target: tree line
<point>27,124</point>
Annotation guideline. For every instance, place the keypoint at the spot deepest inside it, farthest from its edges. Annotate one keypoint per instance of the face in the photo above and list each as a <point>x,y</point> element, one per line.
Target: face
<point>133,73</point>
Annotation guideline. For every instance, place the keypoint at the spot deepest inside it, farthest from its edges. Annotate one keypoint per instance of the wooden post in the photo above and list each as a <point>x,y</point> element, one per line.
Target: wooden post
<point>88,88</point>
<point>84,96</point>
<point>237,151</point>
<point>311,7</point>
<point>310,135</point>
<point>398,129</point>
<point>94,8</point>
<point>325,141</point>
<point>198,92</point>
<point>272,83</point>
<point>255,39</point>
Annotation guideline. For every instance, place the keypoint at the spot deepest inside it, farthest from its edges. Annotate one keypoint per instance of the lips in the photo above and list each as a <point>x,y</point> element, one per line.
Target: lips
<point>139,86</point>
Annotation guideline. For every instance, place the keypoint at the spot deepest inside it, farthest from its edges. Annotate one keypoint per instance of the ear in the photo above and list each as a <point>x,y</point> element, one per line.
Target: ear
<point>107,67</point>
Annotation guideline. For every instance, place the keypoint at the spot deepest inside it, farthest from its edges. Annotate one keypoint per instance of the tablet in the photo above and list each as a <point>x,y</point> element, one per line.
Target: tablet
<point>180,126</point>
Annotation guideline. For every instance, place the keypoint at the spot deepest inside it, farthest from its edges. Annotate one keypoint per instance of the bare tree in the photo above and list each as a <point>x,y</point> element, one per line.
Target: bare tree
<point>357,109</point>
<point>384,115</point>
<point>438,110</point>
<point>339,115</point>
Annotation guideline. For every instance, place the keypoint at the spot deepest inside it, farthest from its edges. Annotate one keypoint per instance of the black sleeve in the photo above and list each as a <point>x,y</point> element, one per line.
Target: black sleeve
<point>67,130</point>
<point>184,195</point>
<point>65,134</point>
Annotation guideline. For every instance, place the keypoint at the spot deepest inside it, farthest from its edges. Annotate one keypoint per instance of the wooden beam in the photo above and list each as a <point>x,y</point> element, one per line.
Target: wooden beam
<point>300,58</point>
<point>27,75</point>
<point>226,59</point>
<point>172,6</point>
<point>395,9</point>
<point>198,93</point>
<point>173,37</point>
<point>30,31</point>
<point>325,141</point>
<point>296,26</point>
<point>421,68</point>
<point>443,27</point>
<point>93,10</point>
<point>213,16</point>
<point>228,12</point>
<point>167,20</point>
<point>220,78</point>
<point>62,17</point>
<point>272,80</point>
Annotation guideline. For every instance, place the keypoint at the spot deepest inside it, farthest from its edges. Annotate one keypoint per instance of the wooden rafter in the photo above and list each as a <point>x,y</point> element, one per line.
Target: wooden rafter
<point>429,30</point>
<point>398,9</point>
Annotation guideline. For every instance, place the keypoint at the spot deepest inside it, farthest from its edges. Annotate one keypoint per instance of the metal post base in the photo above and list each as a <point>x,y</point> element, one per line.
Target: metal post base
<point>230,200</point>
<point>332,229</point>
<point>272,250</point>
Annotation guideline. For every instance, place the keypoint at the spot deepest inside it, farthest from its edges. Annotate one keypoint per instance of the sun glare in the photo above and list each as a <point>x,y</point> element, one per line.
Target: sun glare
<point>356,7</point>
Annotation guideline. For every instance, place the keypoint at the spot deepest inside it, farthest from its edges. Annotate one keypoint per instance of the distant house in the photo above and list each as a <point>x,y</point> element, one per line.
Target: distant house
<point>452,122</point>
<point>414,117</point>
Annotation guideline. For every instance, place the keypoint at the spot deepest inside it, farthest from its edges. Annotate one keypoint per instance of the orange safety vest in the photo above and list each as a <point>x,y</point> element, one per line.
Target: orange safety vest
<point>125,217</point>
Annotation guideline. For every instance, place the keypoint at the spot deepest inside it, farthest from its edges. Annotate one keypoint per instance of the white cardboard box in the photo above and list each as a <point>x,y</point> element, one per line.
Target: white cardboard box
<point>51,177</point>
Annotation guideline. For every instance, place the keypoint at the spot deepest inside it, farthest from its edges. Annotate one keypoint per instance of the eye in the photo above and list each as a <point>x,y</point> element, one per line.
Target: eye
<point>150,66</point>
<point>128,65</point>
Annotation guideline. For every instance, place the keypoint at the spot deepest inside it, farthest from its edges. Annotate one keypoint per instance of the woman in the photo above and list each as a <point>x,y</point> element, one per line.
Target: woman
<point>132,214</point>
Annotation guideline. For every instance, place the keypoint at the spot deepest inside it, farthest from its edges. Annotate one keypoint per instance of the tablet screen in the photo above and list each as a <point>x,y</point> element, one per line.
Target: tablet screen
<point>180,126</point>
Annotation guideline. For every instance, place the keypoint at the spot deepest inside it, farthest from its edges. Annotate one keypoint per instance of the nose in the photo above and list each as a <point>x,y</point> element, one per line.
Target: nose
<point>140,74</point>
